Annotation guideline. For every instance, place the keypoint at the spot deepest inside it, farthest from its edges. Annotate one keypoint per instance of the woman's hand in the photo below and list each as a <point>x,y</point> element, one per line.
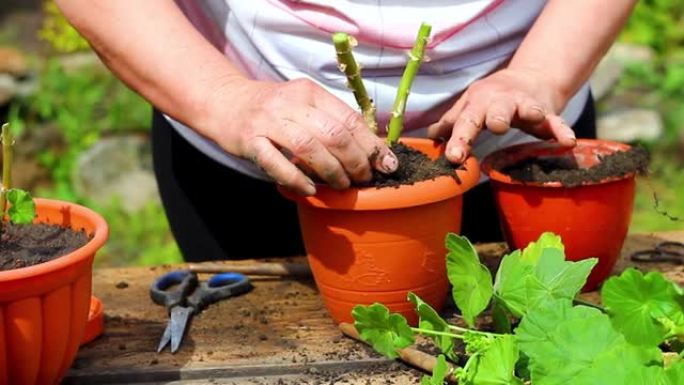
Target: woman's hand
<point>280,126</point>
<point>522,98</point>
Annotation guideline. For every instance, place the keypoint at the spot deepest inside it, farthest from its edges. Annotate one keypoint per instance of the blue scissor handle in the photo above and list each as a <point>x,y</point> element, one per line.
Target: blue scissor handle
<point>180,282</point>
<point>218,287</point>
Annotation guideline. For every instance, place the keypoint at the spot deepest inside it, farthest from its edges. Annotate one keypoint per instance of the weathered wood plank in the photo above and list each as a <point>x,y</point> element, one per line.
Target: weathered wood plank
<point>278,332</point>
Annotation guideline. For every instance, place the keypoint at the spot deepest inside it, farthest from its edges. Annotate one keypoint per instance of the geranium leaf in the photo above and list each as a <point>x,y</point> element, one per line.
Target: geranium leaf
<point>568,344</point>
<point>22,208</point>
<point>533,251</point>
<point>563,279</point>
<point>430,320</point>
<point>509,285</point>
<point>641,306</point>
<point>496,364</point>
<point>471,281</point>
<point>385,332</point>
<point>439,373</point>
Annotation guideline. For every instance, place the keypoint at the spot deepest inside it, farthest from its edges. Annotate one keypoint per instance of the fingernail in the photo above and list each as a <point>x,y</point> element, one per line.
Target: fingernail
<point>310,188</point>
<point>539,109</point>
<point>390,162</point>
<point>456,154</point>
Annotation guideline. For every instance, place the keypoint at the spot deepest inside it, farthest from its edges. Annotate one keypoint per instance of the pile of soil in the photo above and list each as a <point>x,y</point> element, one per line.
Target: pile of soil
<point>414,166</point>
<point>569,174</point>
<point>28,245</point>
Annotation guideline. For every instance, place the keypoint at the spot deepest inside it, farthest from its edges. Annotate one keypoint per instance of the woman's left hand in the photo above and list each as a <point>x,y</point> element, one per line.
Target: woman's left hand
<point>522,98</point>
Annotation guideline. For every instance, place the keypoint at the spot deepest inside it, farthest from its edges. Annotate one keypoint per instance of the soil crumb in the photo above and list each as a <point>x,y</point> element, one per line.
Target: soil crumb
<point>569,174</point>
<point>414,166</point>
<point>28,245</point>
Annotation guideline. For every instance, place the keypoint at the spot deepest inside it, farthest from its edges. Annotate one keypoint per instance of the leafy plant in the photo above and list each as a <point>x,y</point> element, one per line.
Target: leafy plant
<point>22,209</point>
<point>57,31</point>
<point>350,67</point>
<point>547,340</point>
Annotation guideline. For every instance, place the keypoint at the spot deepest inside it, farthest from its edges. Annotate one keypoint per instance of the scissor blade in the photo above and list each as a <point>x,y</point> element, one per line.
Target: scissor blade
<point>179,321</point>
<point>166,337</point>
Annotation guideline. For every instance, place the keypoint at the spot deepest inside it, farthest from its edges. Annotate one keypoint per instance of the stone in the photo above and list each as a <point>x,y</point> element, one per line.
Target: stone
<point>117,167</point>
<point>8,88</point>
<point>13,62</point>
<point>630,125</point>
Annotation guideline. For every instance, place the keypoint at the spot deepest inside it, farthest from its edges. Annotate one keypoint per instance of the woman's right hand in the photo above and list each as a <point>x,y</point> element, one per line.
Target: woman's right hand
<point>281,125</point>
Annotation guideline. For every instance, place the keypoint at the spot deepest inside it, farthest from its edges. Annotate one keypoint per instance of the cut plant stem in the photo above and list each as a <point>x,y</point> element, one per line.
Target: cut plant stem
<point>429,332</point>
<point>350,67</point>
<point>396,123</point>
<point>6,138</point>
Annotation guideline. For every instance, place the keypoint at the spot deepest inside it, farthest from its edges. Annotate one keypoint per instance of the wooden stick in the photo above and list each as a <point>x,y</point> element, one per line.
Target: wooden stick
<point>413,357</point>
<point>280,269</point>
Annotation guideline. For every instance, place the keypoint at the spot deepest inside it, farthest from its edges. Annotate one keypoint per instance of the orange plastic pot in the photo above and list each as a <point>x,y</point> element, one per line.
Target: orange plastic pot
<point>369,245</point>
<point>592,219</point>
<point>44,308</point>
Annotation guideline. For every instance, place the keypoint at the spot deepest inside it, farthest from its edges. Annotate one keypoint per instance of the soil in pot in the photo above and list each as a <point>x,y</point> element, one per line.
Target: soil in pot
<point>28,245</point>
<point>570,174</point>
<point>414,166</point>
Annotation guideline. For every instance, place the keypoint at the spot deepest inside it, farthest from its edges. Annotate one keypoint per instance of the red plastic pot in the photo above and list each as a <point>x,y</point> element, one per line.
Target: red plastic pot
<point>592,219</point>
<point>375,245</point>
<point>44,308</point>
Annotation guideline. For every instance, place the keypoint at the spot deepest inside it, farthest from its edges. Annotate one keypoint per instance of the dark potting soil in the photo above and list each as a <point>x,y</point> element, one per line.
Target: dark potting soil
<point>569,174</point>
<point>414,166</point>
<point>28,245</point>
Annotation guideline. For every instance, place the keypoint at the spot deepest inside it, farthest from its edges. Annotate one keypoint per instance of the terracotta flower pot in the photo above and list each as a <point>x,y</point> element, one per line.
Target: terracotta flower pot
<point>374,245</point>
<point>592,219</point>
<point>44,308</point>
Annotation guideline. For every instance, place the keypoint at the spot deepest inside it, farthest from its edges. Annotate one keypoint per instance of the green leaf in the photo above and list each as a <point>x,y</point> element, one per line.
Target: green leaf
<point>675,373</point>
<point>577,345</point>
<point>502,322</point>
<point>555,278</point>
<point>385,332</point>
<point>439,373</point>
<point>22,209</point>
<point>643,308</point>
<point>496,365</point>
<point>535,275</point>
<point>471,281</point>
<point>510,282</point>
<point>430,320</point>
<point>533,251</point>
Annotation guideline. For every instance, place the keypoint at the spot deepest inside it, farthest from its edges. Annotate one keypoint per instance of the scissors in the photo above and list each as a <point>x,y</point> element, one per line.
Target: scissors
<point>666,251</point>
<point>184,296</point>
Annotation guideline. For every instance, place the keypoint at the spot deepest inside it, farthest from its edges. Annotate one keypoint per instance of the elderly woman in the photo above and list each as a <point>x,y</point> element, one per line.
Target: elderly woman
<point>235,83</point>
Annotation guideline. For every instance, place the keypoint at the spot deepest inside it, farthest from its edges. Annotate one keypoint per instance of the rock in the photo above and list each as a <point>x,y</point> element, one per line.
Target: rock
<point>13,62</point>
<point>8,88</point>
<point>630,125</point>
<point>613,64</point>
<point>119,166</point>
<point>78,61</point>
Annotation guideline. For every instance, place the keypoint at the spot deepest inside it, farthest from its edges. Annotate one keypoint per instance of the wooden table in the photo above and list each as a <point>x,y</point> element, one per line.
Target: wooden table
<point>277,334</point>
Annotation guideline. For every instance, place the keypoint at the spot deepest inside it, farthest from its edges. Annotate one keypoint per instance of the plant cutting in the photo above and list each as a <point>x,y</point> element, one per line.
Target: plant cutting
<point>541,333</point>
<point>374,243</point>
<point>584,194</point>
<point>46,254</point>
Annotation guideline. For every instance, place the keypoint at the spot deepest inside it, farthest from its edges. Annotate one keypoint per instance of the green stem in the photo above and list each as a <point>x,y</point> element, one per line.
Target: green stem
<point>350,67</point>
<point>436,333</point>
<point>579,301</point>
<point>6,139</point>
<point>396,123</point>
<point>464,330</point>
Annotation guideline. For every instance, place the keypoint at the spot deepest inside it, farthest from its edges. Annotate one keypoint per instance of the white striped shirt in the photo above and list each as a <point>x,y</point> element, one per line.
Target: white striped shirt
<point>280,40</point>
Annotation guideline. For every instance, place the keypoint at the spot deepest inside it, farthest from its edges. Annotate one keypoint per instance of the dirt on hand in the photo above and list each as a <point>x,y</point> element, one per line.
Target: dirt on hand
<point>569,174</point>
<point>28,245</point>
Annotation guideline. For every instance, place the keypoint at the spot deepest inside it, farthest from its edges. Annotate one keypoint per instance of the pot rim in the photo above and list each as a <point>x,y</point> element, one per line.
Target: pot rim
<point>503,157</point>
<point>373,198</point>
<point>99,237</point>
